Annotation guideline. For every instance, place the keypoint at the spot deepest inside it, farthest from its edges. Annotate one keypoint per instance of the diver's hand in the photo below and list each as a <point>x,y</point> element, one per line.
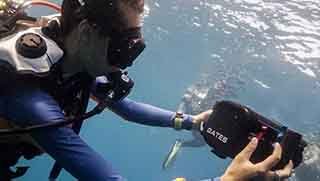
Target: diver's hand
<point>202,117</point>
<point>242,168</point>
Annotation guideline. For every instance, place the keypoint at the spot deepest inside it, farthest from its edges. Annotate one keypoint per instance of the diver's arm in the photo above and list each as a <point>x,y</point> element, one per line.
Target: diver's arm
<point>154,116</point>
<point>147,114</point>
<point>139,112</point>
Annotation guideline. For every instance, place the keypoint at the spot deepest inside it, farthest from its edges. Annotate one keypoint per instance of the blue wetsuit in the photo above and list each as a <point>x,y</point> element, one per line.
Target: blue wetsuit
<point>30,105</point>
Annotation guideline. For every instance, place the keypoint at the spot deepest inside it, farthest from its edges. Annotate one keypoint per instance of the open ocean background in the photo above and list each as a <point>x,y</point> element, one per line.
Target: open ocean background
<point>271,46</point>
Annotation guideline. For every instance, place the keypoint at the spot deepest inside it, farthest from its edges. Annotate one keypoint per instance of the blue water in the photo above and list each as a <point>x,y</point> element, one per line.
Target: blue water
<point>272,46</point>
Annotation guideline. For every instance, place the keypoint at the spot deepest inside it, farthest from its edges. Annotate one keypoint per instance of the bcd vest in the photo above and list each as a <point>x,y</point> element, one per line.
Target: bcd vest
<point>29,52</point>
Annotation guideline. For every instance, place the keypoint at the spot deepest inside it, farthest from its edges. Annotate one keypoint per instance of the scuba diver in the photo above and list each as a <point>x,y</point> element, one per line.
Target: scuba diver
<point>50,69</point>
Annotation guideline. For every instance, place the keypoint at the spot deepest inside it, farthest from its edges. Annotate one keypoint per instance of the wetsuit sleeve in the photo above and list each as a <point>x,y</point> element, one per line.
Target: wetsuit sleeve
<point>147,114</point>
<point>139,112</point>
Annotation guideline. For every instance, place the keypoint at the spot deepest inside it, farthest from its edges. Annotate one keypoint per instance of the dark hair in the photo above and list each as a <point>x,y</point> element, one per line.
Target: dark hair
<point>107,15</point>
<point>137,5</point>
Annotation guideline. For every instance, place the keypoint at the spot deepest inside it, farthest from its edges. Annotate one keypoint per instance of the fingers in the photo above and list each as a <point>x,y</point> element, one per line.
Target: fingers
<point>202,117</point>
<point>286,171</point>
<point>280,174</point>
<point>271,161</point>
<point>249,149</point>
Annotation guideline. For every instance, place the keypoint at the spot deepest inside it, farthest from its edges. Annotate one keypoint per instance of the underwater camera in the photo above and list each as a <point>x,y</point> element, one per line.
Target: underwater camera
<point>231,126</point>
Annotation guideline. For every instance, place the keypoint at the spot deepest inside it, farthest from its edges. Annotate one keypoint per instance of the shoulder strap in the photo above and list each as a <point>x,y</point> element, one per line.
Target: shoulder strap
<point>70,15</point>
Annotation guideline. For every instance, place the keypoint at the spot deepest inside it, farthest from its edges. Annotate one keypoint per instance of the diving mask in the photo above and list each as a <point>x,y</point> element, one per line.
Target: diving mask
<point>125,47</point>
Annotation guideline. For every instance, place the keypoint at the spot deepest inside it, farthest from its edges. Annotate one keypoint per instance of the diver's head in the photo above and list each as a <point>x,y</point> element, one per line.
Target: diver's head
<point>107,36</point>
<point>111,15</point>
<point>120,21</point>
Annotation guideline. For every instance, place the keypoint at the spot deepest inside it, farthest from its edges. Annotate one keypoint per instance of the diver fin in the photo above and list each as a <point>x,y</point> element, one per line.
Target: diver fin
<point>172,155</point>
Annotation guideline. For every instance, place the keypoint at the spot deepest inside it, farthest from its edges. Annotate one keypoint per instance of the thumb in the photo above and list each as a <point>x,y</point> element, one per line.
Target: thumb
<point>204,116</point>
<point>249,149</point>
<point>272,160</point>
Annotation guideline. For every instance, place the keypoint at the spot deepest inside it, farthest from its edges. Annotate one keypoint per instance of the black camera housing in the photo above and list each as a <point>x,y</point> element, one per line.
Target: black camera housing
<point>231,126</point>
